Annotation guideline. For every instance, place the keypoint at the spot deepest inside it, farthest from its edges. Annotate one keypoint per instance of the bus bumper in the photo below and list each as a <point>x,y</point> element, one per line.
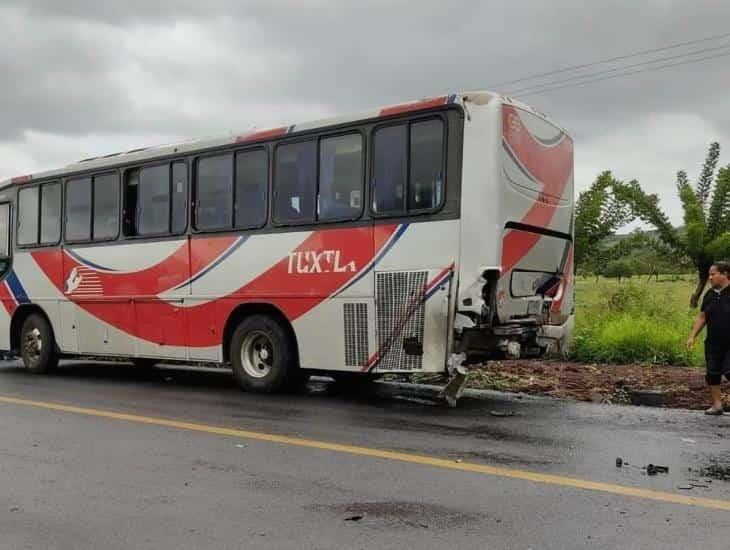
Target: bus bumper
<point>513,340</point>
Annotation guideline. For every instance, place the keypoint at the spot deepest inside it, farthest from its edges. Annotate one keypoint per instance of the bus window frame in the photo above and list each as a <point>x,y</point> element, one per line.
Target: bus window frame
<point>408,122</point>
<point>193,198</point>
<point>269,183</point>
<point>9,256</point>
<point>93,177</point>
<point>38,244</point>
<point>154,164</point>
<point>318,137</point>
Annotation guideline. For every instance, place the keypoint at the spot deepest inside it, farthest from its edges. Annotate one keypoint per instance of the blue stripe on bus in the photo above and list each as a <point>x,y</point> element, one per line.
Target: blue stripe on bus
<point>87,263</point>
<point>217,262</point>
<point>397,235</point>
<point>16,287</point>
<point>438,285</point>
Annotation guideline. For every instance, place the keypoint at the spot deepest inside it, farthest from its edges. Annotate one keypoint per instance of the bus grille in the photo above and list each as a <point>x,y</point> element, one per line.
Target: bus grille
<point>356,334</point>
<point>399,308</point>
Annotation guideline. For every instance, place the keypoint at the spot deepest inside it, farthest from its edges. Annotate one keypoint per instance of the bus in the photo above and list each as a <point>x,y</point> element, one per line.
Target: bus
<point>408,239</point>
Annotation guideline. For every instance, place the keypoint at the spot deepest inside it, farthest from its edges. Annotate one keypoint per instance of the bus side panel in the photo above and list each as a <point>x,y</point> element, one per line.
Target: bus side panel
<point>29,284</point>
<point>412,285</point>
<point>481,203</point>
<point>336,332</point>
<point>537,183</point>
<point>6,313</point>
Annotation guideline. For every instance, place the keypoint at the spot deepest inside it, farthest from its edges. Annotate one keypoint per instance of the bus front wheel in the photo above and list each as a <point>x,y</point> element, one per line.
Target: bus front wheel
<point>37,345</point>
<point>263,355</point>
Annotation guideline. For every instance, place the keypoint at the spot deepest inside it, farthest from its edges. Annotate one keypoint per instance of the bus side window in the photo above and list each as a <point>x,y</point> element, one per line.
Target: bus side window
<point>4,238</point>
<point>340,177</point>
<point>425,186</point>
<point>214,192</point>
<point>156,200</point>
<point>152,214</point>
<point>106,207</point>
<point>78,209</point>
<point>390,166</point>
<point>295,182</point>
<point>50,213</point>
<point>39,215</point>
<point>252,181</point>
<point>28,200</point>
<point>179,207</point>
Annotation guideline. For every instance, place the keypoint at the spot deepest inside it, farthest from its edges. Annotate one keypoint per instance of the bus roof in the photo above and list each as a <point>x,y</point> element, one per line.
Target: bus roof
<point>479,97</point>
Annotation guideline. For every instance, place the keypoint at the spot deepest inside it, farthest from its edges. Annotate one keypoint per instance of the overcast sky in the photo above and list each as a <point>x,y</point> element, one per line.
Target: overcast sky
<point>90,77</point>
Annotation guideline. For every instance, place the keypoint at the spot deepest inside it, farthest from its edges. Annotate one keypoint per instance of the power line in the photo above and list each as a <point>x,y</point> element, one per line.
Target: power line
<point>628,73</point>
<point>609,60</point>
<point>617,69</point>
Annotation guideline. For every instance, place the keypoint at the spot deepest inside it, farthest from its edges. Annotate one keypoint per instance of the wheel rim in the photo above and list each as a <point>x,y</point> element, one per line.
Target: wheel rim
<point>257,354</point>
<point>33,345</point>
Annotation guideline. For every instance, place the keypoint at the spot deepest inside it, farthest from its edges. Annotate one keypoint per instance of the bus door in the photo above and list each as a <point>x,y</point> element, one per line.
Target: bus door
<point>5,259</point>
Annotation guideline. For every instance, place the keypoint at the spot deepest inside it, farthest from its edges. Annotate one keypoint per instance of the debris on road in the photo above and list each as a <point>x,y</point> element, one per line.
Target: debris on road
<point>685,487</point>
<point>653,469</point>
<point>354,518</point>
<point>502,414</point>
<point>619,462</point>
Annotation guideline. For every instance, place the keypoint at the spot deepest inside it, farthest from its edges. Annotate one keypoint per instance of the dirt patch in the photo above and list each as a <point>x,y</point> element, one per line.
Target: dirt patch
<point>685,386</point>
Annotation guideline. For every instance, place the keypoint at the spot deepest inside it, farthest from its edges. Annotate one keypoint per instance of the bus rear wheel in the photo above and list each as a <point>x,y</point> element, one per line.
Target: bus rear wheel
<point>263,355</point>
<point>37,345</point>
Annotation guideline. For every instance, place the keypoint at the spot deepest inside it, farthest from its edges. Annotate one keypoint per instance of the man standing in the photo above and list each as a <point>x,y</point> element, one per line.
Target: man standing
<point>715,313</point>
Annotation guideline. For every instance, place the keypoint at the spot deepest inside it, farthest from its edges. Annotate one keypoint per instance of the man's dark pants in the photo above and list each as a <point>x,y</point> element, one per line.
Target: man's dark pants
<point>718,364</point>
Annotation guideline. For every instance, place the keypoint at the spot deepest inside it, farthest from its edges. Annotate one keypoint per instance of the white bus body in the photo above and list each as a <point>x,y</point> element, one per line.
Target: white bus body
<point>382,242</point>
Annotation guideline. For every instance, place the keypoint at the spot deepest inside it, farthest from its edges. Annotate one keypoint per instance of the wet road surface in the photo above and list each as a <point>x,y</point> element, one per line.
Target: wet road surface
<point>77,479</point>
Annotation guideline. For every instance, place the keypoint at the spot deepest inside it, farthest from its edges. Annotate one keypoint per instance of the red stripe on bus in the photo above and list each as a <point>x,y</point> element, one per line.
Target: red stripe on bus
<point>262,134</point>
<point>295,284</point>
<point>169,273</point>
<point>19,180</point>
<point>550,165</point>
<point>414,106</point>
<point>7,298</point>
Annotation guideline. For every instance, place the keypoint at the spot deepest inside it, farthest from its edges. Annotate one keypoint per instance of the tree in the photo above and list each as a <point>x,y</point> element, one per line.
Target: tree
<point>706,235</point>
<point>597,215</point>
<point>623,267</point>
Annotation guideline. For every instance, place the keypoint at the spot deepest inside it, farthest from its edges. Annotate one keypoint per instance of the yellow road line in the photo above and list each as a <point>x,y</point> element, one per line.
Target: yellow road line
<point>524,475</point>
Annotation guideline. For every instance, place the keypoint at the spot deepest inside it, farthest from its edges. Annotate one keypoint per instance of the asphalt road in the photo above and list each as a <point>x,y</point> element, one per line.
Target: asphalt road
<point>106,456</point>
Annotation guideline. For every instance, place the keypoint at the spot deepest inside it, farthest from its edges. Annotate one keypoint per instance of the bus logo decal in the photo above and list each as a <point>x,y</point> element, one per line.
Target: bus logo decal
<point>312,261</point>
<point>83,281</point>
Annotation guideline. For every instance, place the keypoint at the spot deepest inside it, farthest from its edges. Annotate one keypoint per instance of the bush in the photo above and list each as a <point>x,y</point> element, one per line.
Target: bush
<point>634,323</point>
<point>634,338</point>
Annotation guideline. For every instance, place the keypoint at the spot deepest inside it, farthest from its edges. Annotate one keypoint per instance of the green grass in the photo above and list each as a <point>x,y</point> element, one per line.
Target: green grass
<point>634,321</point>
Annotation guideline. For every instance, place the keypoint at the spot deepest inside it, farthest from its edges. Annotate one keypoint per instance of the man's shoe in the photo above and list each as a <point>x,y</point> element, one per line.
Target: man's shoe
<point>712,411</point>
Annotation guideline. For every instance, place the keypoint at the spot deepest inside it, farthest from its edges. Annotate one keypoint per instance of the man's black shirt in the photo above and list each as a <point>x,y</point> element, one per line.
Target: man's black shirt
<point>716,306</point>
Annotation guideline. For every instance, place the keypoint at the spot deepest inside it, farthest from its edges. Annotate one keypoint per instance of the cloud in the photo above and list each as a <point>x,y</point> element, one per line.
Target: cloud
<point>84,77</point>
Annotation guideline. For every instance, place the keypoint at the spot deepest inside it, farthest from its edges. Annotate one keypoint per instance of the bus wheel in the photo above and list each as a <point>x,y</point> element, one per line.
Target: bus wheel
<point>263,355</point>
<point>37,345</point>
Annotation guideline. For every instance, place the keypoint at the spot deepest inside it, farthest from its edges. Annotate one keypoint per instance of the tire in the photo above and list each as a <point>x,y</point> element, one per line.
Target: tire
<point>263,355</point>
<point>144,363</point>
<point>38,345</point>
